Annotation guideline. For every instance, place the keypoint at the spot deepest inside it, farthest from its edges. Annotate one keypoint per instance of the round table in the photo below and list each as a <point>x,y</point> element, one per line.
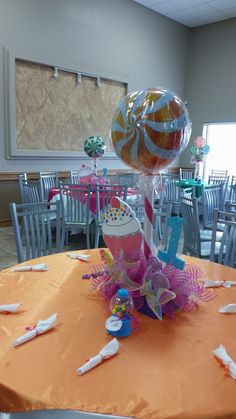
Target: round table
<point>164,370</point>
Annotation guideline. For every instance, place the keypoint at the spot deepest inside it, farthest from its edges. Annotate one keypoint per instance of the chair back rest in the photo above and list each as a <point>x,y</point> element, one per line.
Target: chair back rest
<point>21,177</point>
<point>74,177</point>
<point>189,210</point>
<point>136,203</point>
<point>215,180</point>
<point>227,246</point>
<point>48,181</point>
<point>110,179</point>
<point>38,220</point>
<point>75,203</point>
<point>232,190</point>
<point>212,197</point>
<point>31,191</point>
<point>186,174</point>
<point>125,179</point>
<point>104,195</point>
<point>219,173</point>
<point>171,191</point>
<point>168,177</point>
<point>162,212</point>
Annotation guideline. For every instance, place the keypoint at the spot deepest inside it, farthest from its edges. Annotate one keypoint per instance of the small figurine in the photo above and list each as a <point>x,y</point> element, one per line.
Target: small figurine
<point>119,324</point>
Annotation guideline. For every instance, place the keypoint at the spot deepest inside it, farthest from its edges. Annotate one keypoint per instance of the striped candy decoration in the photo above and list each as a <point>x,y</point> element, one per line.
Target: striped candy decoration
<point>150,129</point>
<point>95,167</point>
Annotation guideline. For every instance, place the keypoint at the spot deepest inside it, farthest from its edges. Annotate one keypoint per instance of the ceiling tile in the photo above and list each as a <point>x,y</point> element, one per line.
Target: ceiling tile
<point>165,8</point>
<point>193,12</point>
<point>222,5</point>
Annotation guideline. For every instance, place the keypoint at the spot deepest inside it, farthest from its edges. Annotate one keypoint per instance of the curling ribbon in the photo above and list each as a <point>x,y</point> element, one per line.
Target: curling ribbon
<point>149,217</point>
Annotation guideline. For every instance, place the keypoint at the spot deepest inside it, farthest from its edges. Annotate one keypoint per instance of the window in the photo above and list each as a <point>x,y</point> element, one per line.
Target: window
<point>221,137</point>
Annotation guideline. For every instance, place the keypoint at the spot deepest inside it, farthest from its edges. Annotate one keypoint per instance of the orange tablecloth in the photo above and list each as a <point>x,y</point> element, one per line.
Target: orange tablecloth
<point>164,370</point>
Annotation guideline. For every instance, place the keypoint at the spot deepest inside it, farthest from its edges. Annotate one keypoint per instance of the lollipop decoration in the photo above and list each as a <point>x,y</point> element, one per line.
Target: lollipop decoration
<point>149,130</point>
<point>199,151</point>
<point>94,147</point>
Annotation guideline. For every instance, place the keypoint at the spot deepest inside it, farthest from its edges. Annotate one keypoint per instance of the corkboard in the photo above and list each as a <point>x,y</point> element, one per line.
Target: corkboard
<point>57,114</point>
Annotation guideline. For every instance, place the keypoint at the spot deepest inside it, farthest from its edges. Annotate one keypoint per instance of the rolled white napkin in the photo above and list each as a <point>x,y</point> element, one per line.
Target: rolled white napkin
<point>229,308</point>
<point>38,267</point>
<point>79,256</point>
<point>211,284</point>
<point>41,327</point>
<point>106,352</point>
<point>10,308</point>
<point>222,355</point>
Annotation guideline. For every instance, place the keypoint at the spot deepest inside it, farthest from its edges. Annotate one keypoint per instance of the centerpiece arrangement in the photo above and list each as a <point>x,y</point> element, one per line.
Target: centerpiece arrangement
<point>149,130</point>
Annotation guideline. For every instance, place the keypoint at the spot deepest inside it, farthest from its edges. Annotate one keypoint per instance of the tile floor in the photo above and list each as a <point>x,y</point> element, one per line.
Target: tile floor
<point>8,249</point>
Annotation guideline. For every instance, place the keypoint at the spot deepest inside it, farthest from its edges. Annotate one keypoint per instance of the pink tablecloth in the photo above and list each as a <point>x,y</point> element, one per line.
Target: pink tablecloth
<point>93,206</point>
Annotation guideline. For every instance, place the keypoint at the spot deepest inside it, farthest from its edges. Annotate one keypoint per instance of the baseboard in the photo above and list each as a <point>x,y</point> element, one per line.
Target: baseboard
<point>5,223</point>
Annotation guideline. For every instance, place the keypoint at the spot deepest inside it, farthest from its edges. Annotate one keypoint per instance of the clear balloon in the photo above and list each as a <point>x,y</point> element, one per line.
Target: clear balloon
<point>206,149</point>
<point>150,129</point>
<point>193,149</point>
<point>199,141</point>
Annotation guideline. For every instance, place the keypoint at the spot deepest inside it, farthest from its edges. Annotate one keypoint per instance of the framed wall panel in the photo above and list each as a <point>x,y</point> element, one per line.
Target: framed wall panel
<point>52,107</point>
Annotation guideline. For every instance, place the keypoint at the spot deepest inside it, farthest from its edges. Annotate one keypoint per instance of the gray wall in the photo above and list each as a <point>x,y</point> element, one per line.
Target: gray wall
<point>211,79</point>
<point>117,36</point>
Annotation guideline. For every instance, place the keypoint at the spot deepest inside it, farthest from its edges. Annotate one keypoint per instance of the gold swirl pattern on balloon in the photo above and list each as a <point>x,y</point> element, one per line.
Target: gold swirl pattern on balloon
<point>150,129</point>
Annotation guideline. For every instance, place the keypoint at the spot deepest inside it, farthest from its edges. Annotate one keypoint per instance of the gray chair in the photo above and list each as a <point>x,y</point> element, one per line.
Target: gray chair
<point>48,180</point>
<point>75,208</point>
<point>211,198</point>
<point>232,189</point>
<point>162,212</point>
<point>31,191</point>
<point>125,179</point>
<point>227,250</point>
<point>136,203</point>
<point>40,221</point>
<point>218,180</point>
<point>172,194</point>
<point>219,173</point>
<point>104,195</point>
<point>21,177</point>
<point>74,177</point>
<point>186,173</point>
<point>194,242</point>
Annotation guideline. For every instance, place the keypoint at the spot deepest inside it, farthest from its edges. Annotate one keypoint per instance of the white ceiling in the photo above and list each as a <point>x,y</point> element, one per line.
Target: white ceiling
<point>193,13</point>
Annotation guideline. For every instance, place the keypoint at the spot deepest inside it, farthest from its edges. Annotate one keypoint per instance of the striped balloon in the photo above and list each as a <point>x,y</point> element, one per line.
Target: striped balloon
<point>150,129</point>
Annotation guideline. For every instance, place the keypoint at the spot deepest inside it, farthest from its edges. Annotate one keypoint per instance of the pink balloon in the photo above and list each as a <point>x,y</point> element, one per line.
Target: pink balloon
<point>199,142</point>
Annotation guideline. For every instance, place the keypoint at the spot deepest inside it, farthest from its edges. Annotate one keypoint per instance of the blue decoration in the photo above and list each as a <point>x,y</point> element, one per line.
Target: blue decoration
<point>206,149</point>
<point>125,329</point>
<point>170,255</point>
